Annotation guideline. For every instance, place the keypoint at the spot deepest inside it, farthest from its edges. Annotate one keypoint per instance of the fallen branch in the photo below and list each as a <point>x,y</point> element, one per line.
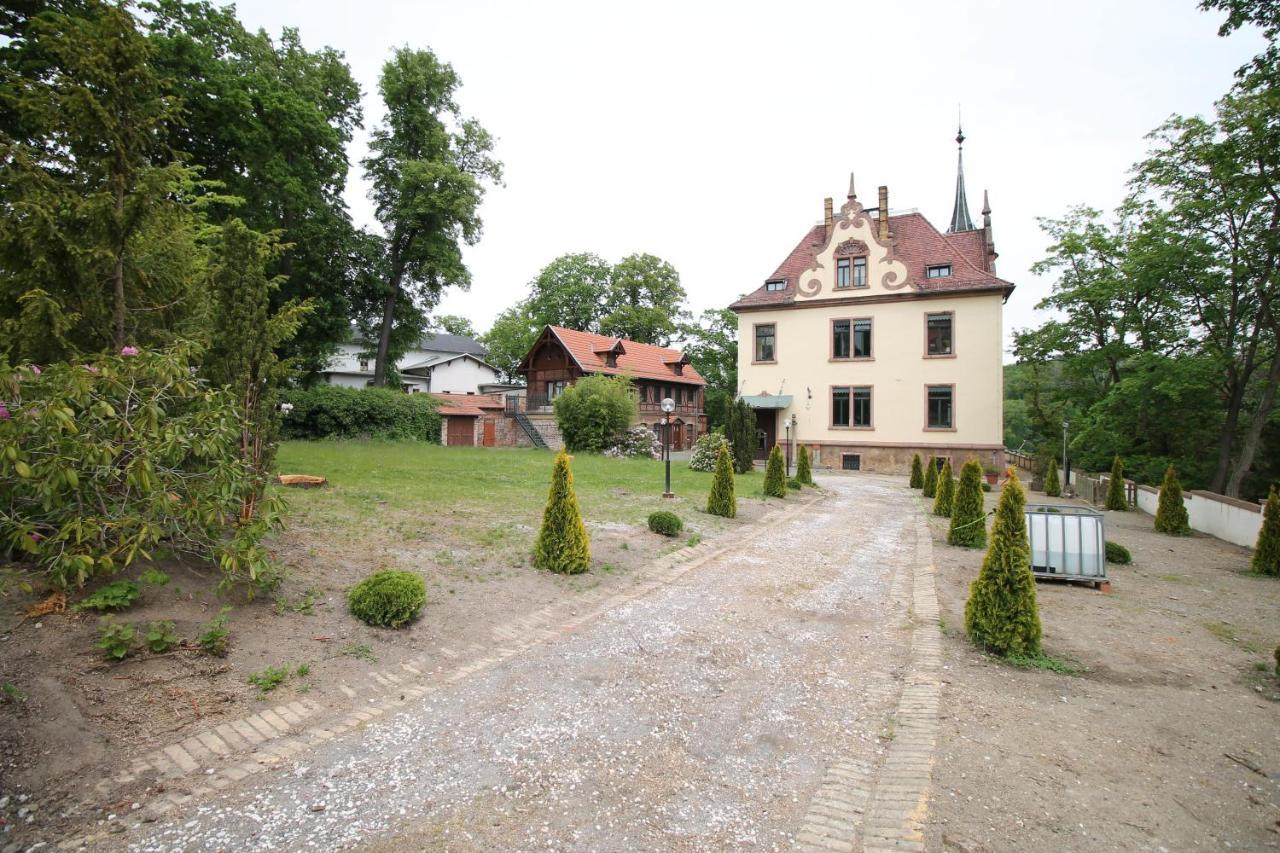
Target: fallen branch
<point>1246,764</point>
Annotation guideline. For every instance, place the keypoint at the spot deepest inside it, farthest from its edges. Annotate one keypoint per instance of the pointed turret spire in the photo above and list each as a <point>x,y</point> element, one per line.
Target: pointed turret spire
<point>852,195</point>
<point>960,220</point>
<point>986,210</point>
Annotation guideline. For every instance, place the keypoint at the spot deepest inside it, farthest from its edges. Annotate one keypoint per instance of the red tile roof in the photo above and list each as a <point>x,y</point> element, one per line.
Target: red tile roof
<point>468,404</point>
<point>915,242</point>
<point>643,361</point>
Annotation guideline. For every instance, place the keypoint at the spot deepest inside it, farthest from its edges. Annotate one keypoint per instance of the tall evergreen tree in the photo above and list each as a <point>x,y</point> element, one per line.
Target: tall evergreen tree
<point>1171,512</point>
<point>740,429</point>
<point>1266,553</point>
<point>967,509</point>
<point>804,468</point>
<point>931,479</point>
<point>1052,485</point>
<point>917,472</point>
<point>775,478</point>
<point>562,545</point>
<point>945,492</point>
<point>1116,499</point>
<point>722,501</point>
<point>429,167</point>
<point>1001,614</point>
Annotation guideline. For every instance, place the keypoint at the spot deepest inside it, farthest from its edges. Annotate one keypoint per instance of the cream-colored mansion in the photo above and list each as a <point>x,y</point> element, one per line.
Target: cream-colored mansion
<point>879,337</point>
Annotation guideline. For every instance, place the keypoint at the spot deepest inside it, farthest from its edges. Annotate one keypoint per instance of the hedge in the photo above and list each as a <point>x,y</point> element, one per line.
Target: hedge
<point>332,411</point>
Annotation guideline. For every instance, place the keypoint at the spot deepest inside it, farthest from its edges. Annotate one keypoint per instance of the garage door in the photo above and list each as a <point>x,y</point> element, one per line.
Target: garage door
<point>462,432</point>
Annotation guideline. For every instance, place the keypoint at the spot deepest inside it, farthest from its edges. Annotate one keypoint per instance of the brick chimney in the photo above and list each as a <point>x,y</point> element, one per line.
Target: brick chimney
<point>884,214</point>
<point>828,216</point>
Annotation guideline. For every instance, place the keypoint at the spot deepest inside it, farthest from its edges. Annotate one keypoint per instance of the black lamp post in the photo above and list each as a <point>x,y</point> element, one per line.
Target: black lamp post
<point>786,425</point>
<point>668,406</point>
<point>1066,461</point>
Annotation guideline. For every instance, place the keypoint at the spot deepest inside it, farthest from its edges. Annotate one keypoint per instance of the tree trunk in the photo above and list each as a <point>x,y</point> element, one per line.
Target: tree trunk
<point>1226,437</point>
<point>117,275</point>
<point>1249,446</point>
<point>384,334</point>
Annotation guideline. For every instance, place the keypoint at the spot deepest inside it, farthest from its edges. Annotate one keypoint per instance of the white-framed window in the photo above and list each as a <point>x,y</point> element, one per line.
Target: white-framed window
<point>938,271</point>
<point>780,284</point>
<point>364,365</point>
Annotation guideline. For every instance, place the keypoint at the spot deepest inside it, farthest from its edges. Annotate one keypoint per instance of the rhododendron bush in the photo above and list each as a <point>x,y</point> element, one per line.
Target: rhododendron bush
<point>106,463</point>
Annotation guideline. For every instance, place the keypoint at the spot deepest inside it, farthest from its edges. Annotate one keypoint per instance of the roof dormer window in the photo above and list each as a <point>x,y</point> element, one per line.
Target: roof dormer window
<point>777,284</point>
<point>938,271</point>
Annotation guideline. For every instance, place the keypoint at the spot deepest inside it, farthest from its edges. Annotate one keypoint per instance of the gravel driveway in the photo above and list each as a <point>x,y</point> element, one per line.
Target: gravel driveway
<point>701,716</point>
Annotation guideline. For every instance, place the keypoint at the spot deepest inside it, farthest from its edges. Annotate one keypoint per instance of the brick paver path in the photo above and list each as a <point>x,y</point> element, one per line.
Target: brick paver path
<point>779,695</point>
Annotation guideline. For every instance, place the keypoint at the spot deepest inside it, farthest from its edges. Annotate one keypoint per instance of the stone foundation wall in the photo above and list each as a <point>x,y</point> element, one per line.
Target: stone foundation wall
<point>897,460</point>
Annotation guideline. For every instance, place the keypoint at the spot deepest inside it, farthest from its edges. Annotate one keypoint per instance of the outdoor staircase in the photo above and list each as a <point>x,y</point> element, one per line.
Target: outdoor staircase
<point>531,430</point>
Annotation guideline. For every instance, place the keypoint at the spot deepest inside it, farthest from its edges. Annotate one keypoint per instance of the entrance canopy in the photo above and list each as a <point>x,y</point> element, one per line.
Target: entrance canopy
<point>767,401</point>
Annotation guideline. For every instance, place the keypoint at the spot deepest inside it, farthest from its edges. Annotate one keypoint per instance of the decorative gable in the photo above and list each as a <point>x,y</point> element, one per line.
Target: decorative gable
<point>853,235</point>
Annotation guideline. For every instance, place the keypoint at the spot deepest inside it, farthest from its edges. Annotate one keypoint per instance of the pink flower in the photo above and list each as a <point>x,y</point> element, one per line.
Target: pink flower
<point>4,412</point>
<point>90,368</point>
<point>35,368</point>
<point>35,537</point>
<point>129,351</point>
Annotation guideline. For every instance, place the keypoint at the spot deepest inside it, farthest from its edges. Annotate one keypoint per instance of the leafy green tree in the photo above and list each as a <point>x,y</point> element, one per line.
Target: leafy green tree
<point>428,166</point>
<point>1171,512</point>
<point>645,300</point>
<point>455,325</point>
<point>917,472</point>
<point>1266,553</point>
<point>712,346</point>
<point>562,545</point>
<point>967,509</point>
<point>271,122</point>
<point>804,470</point>
<point>931,479</point>
<point>945,492</point>
<point>509,340</point>
<point>592,412</point>
<point>775,477</point>
<point>1001,614</point>
<point>1052,483</point>
<point>721,500</point>
<point>245,336</point>
<point>91,184</point>
<point>571,291</point>
<point>1116,499</point>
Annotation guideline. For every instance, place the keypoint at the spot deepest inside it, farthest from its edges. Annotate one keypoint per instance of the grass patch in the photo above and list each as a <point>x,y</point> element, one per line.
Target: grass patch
<point>1045,662</point>
<point>1262,679</point>
<point>10,693</point>
<point>694,540</point>
<point>269,679</point>
<point>1182,579</point>
<point>1228,633</point>
<point>360,651</point>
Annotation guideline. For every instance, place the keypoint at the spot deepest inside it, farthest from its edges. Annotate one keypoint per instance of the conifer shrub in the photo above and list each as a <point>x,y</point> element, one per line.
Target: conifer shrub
<point>986,487</point>
<point>775,477</point>
<point>794,485</point>
<point>1266,553</point>
<point>917,472</point>
<point>930,480</point>
<point>722,501</point>
<point>388,599</point>
<point>740,430</point>
<point>562,545</point>
<point>666,523</point>
<point>1052,486</point>
<point>1171,512</point>
<point>946,492</point>
<point>968,525</point>
<point>1001,615</point>
<point>804,468</point>
<point>1115,488</point>
<point>1118,554</point>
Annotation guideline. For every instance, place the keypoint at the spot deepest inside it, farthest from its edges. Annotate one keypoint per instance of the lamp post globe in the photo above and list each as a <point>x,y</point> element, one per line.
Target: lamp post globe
<point>668,406</point>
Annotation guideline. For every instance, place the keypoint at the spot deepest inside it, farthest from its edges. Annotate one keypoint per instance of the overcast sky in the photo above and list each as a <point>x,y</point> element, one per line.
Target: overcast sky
<point>709,133</point>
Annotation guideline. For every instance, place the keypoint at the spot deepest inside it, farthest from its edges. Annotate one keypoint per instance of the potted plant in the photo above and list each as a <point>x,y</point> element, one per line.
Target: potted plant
<point>992,473</point>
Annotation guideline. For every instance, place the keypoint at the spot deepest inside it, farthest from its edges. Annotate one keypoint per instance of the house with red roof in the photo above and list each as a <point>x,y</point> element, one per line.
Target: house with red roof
<point>473,420</point>
<point>880,336</point>
<point>561,356</point>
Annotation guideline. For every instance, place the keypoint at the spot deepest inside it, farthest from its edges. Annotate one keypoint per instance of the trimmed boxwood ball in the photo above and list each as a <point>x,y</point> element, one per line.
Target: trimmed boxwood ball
<point>986,487</point>
<point>666,523</point>
<point>1118,554</point>
<point>388,599</point>
<point>794,484</point>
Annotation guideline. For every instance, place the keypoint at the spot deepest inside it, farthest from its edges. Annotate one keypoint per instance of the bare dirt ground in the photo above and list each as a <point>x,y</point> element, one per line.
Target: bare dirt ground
<point>1168,740</point>
<point>78,719</point>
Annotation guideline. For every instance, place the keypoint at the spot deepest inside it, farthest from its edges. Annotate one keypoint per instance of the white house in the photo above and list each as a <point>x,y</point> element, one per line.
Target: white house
<point>442,363</point>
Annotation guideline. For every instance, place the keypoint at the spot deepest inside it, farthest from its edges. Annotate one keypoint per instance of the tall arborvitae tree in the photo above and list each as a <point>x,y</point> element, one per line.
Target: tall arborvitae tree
<point>562,545</point>
<point>722,501</point>
<point>775,478</point>
<point>244,335</point>
<point>1115,487</point>
<point>1001,614</point>
<point>1266,553</point>
<point>945,491</point>
<point>94,205</point>
<point>804,469</point>
<point>740,429</point>
<point>931,479</point>
<point>917,472</point>
<point>1171,512</point>
<point>968,527</point>
<point>428,166</point>
<point>1052,483</point>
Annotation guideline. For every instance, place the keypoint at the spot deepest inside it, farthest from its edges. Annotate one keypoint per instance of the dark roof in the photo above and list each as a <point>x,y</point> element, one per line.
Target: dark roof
<point>915,242</point>
<point>438,341</point>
